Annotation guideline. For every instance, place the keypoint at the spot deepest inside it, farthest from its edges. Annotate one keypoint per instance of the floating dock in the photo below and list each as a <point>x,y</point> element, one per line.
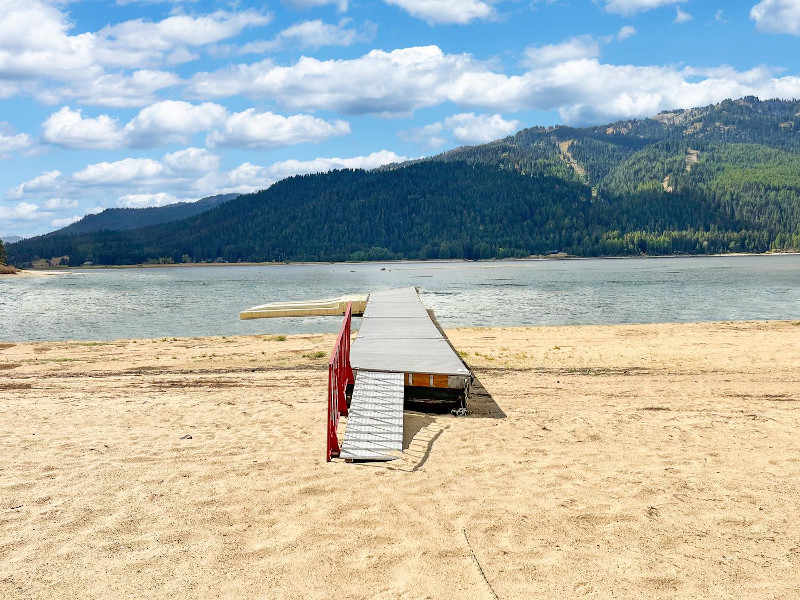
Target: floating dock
<point>397,335</point>
<point>311,308</point>
<point>398,348</point>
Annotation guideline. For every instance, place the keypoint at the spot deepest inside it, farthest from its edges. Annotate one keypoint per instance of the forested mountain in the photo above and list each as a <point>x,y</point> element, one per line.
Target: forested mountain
<point>723,178</point>
<point>120,219</point>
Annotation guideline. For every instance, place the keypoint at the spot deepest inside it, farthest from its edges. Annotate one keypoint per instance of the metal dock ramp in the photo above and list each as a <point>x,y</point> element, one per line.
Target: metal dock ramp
<point>375,418</point>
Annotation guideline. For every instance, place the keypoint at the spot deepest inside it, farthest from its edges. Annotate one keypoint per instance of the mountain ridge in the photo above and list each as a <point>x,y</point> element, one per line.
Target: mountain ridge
<point>720,178</point>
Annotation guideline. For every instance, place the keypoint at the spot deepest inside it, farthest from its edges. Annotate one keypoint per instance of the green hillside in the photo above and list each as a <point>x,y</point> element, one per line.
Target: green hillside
<point>723,178</point>
<point>119,219</point>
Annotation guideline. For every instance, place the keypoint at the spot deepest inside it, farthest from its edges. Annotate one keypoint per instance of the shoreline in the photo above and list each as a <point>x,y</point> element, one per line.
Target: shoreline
<point>484,262</point>
<point>249,337</point>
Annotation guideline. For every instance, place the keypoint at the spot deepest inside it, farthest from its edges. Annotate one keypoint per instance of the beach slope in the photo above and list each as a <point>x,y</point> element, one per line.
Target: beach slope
<point>631,461</point>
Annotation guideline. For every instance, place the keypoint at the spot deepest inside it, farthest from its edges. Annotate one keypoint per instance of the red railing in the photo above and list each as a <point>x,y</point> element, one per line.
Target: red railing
<point>340,374</point>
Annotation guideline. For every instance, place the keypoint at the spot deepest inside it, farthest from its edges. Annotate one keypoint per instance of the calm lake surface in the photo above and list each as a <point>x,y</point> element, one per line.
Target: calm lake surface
<point>108,304</point>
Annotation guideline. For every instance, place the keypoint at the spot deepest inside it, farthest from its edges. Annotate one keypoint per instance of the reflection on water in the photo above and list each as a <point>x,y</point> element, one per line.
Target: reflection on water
<point>194,301</point>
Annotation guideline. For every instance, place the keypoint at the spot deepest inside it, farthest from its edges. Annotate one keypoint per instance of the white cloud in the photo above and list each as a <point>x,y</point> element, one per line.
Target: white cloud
<point>248,177</point>
<point>117,90</point>
<point>46,182</point>
<point>341,5</point>
<point>583,89</point>
<point>23,211</point>
<point>172,121</point>
<point>121,171</point>
<point>627,8</point>
<point>12,142</point>
<point>38,55</point>
<point>69,128</point>
<point>719,16</point>
<point>175,121</point>
<point>287,168</point>
<point>777,16</point>
<point>146,200</point>
<point>145,43</point>
<point>314,34</point>
<point>446,12</point>
<point>249,129</point>
<point>191,161</point>
<point>59,223</point>
<point>625,32</point>
<point>465,128</point>
<point>378,82</point>
<point>185,175</point>
<point>681,16</point>
<point>34,42</point>
<point>572,49</point>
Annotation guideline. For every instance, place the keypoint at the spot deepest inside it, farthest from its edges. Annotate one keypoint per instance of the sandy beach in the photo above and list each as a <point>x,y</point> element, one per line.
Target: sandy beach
<point>629,461</point>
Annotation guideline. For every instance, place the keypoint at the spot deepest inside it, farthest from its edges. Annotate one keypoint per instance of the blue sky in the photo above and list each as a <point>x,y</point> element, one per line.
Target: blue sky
<point>144,103</point>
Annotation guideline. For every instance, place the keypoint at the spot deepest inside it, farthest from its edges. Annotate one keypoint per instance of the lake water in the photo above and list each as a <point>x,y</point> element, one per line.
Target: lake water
<point>107,304</point>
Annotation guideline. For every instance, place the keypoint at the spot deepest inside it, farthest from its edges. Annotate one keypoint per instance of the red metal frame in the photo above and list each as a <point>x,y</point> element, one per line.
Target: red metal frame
<point>340,375</point>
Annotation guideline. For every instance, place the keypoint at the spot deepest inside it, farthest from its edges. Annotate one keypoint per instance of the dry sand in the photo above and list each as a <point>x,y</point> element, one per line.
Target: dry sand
<point>655,461</point>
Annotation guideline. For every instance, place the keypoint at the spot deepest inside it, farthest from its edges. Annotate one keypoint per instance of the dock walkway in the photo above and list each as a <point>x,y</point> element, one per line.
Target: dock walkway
<point>398,336</point>
<point>397,341</point>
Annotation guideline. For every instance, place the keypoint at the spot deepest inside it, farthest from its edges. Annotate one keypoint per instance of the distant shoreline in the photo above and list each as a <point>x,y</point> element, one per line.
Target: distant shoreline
<point>549,257</point>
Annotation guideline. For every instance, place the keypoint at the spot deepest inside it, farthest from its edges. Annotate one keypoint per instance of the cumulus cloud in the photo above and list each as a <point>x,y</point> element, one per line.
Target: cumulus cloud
<point>173,121</point>
<point>184,175</point>
<point>464,128</point>
<point>116,90</point>
<point>23,211</point>
<point>249,129</point>
<point>38,54</point>
<point>627,8</point>
<point>26,217</point>
<point>378,82</point>
<point>63,222</point>
<point>46,182</point>
<point>777,16</point>
<point>564,77</point>
<point>146,200</point>
<point>34,42</point>
<point>191,161</point>
<point>625,32</point>
<point>287,168</point>
<point>248,177</point>
<point>121,171</point>
<point>314,34</point>
<point>575,48</point>
<point>446,12</point>
<point>69,128</point>
<point>12,142</point>
<point>139,42</point>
